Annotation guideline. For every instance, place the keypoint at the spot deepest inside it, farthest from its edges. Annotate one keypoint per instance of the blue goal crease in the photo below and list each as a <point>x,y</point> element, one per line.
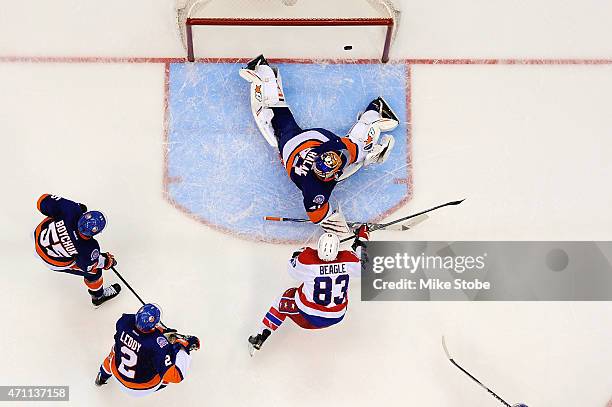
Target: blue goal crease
<point>227,176</point>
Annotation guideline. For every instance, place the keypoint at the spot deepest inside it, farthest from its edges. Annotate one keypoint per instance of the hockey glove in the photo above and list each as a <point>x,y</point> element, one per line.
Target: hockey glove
<point>109,260</point>
<point>189,342</point>
<point>362,235</point>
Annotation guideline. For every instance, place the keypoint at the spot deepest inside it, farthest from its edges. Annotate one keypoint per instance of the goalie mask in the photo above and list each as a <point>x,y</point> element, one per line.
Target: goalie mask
<point>327,165</point>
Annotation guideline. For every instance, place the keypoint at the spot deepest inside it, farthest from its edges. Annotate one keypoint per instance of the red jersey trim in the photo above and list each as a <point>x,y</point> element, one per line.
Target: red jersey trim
<point>310,257</point>
<point>309,304</point>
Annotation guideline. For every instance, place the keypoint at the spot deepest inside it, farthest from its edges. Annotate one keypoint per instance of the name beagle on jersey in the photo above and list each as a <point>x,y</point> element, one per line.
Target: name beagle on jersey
<point>325,269</point>
<point>64,238</point>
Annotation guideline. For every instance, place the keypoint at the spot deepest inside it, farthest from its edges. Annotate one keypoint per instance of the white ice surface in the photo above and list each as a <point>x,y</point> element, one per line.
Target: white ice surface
<point>529,147</point>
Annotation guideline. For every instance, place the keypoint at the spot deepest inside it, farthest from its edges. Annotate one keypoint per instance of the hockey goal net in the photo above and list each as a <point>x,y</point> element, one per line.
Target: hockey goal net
<point>215,22</point>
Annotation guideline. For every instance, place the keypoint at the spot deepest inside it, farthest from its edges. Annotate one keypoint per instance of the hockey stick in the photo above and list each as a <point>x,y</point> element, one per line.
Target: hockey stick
<point>132,290</point>
<point>127,285</point>
<point>386,225</point>
<point>351,224</point>
<point>472,377</point>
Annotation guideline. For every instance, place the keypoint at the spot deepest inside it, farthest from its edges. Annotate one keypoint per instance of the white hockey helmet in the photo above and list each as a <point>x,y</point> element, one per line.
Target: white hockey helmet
<point>328,246</point>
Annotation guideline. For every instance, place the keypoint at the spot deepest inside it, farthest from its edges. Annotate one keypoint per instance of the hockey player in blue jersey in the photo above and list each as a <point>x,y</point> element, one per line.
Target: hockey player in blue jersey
<point>146,357</point>
<point>316,159</point>
<point>65,242</point>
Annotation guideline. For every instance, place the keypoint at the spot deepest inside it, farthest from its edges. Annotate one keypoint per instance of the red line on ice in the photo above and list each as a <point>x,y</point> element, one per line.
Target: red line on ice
<point>410,61</point>
<point>167,180</point>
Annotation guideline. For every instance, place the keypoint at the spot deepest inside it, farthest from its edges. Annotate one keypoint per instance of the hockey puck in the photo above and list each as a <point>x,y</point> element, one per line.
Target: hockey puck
<point>348,47</point>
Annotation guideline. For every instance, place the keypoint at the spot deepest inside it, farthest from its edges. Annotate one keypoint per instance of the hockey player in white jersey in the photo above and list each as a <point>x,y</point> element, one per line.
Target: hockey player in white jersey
<point>316,159</point>
<point>321,299</point>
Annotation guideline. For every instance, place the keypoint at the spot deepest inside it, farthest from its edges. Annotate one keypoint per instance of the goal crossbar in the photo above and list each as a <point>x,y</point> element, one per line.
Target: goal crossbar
<point>280,22</point>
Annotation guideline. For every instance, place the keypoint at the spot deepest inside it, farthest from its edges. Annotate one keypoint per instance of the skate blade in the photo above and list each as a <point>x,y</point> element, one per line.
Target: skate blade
<point>252,350</point>
<point>410,224</point>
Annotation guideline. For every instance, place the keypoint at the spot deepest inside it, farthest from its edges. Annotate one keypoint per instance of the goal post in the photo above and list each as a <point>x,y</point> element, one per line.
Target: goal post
<point>286,13</point>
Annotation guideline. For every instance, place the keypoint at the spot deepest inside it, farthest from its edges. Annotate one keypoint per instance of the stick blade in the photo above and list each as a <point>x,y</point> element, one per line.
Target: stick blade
<point>446,348</point>
<point>456,202</point>
<point>409,224</point>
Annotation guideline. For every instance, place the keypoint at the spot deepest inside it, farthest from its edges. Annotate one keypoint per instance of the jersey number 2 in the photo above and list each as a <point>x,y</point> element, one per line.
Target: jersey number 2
<point>129,362</point>
<point>323,289</point>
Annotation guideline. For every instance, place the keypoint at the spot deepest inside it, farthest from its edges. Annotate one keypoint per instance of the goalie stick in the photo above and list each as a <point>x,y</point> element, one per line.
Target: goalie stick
<point>491,392</point>
<point>396,227</point>
<point>405,218</point>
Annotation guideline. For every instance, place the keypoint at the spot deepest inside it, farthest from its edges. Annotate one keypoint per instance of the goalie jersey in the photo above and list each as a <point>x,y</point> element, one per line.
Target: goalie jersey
<point>322,298</point>
<point>144,361</point>
<point>57,241</point>
<point>298,155</point>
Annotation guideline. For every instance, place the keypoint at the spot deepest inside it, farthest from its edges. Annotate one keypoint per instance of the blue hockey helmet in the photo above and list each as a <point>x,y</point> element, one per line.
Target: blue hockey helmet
<point>91,223</point>
<point>147,317</point>
<point>327,165</point>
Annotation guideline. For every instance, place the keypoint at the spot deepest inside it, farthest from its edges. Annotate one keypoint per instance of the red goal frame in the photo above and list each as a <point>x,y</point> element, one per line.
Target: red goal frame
<point>288,22</point>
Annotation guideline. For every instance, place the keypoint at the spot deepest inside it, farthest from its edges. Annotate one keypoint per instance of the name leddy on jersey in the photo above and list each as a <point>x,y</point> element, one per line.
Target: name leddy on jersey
<point>130,342</point>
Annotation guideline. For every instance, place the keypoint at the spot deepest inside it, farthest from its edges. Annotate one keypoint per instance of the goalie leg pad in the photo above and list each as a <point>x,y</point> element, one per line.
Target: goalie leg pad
<point>389,120</point>
<point>263,119</point>
<point>378,118</point>
<point>266,85</point>
<point>364,133</point>
<point>266,92</point>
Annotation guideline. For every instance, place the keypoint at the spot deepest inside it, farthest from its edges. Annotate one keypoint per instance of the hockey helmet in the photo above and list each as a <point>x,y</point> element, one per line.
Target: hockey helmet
<point>147,317</point>
<point>328,246</point>
<point>91,223</point>
<point>327,165</point>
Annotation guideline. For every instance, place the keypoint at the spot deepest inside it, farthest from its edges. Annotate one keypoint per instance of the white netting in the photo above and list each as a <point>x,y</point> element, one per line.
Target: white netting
<point>284,9</point>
